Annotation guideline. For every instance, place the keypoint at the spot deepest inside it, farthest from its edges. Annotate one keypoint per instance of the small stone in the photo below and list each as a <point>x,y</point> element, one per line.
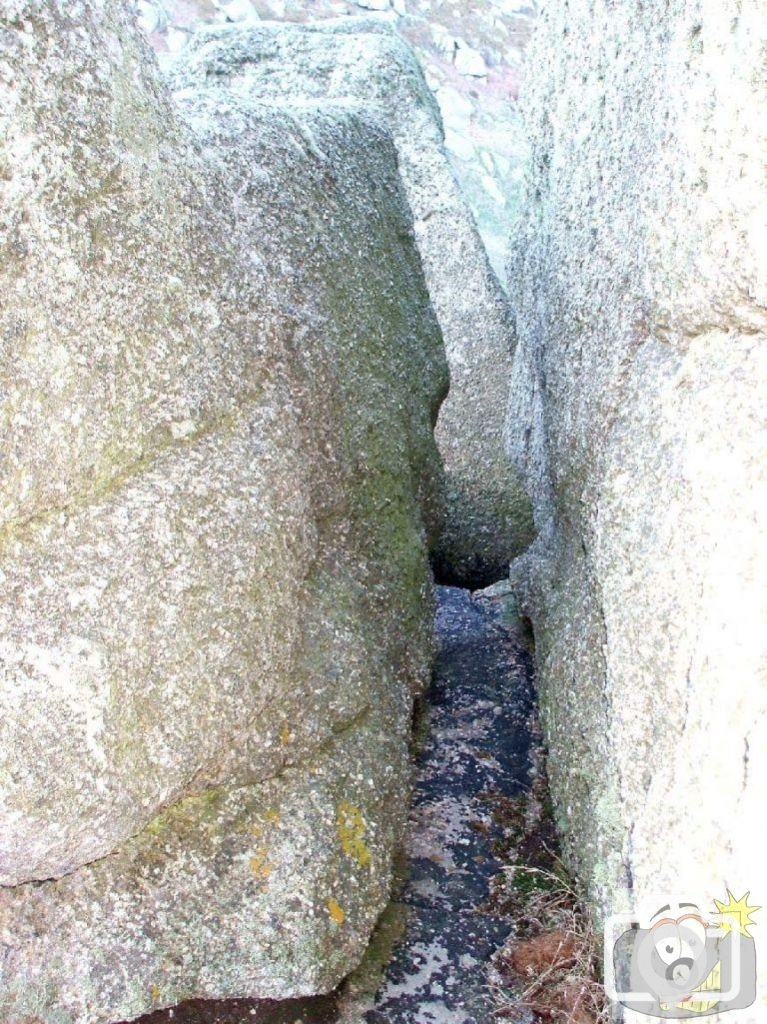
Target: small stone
<point>469,61</point>
<point>444,41</point>
<point>434,78</point>
<point>492,189</point>
<point>176,39</point>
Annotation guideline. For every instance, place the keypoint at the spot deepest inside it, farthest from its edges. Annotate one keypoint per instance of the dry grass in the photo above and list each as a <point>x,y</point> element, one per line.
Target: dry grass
<point>549,970</point>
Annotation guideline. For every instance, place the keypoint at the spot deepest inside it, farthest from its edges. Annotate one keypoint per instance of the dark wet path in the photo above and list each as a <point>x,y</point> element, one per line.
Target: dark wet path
<point>475,755</point>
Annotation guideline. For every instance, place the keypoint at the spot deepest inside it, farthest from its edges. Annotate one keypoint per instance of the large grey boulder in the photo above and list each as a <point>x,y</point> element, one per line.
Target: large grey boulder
<point>220,373</point>
<point>482,131</point>
<point>638,416</point>
<point>488,517</point>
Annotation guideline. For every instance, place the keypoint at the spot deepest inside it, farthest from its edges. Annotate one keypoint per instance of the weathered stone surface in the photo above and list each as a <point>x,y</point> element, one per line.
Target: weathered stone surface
<point>220,372</point>
<point>497,30</point>
<point>270,889</point>
<point>488,516</point>
<point>638,416</point>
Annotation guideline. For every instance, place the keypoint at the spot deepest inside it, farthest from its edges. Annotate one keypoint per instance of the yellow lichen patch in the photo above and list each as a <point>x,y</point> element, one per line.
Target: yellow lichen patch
<point>259,863</point>
<point>154,993</point>
<point>336,911</point>
<point>351,831</point>
<point>271,816</point>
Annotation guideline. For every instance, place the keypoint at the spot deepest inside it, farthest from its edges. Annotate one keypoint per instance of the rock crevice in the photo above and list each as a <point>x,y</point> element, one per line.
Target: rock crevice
<point>363,60</point>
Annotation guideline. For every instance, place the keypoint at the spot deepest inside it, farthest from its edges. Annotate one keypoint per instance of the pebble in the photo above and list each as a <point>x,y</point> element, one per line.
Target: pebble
<point>456,108</point>
<point>469,61</point>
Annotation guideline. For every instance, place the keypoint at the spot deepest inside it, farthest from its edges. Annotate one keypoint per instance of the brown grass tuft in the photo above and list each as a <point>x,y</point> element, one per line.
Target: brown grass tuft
<point>554,950</point>
<point>568,1001</point>
<point>549,969</point>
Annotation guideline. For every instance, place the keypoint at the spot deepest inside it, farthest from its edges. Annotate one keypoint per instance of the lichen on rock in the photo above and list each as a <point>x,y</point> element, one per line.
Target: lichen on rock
<point>639,275</point>
<point>488,517</point>
<point>220,374</point>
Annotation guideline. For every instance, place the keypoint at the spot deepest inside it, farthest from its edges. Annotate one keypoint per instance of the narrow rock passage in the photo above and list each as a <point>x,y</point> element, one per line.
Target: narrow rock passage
<point>476,749</point>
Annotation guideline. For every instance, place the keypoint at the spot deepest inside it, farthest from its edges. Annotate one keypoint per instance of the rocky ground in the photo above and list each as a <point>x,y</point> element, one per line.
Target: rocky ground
<point>473,57</point>
<point>476,752</point>
<point>428,962</point>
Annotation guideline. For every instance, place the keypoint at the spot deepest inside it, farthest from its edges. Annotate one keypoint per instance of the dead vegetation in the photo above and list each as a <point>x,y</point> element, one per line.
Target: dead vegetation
<point>548,971</point>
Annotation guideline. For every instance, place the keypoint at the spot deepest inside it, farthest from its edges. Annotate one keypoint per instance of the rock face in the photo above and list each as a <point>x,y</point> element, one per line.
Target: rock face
<point>220,374</point>
<point>488,516</point>
<point>638,416</point>
<point>483,136</point>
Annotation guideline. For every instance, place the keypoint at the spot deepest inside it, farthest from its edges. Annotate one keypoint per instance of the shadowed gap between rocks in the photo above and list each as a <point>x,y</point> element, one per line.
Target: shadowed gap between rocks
<point>476,745</point>
<point>477,573</point>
